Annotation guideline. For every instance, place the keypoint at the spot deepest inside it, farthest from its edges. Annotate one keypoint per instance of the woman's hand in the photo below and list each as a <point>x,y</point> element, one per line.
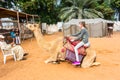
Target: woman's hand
<point>72,38</point>
<point>67,36</point>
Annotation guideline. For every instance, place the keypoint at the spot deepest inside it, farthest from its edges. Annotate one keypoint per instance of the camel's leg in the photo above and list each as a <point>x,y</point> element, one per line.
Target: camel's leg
<point>62,56</point>
<point>53,58</point>
<point>95,64</point>
<point>57,55</point>
<point>88,59</point>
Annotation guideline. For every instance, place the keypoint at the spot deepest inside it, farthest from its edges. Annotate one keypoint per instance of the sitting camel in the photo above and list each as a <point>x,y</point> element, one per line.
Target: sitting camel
<point>89,54</point>
<point>57,54</point>
<point>90,59</point>
<point>53,46</point>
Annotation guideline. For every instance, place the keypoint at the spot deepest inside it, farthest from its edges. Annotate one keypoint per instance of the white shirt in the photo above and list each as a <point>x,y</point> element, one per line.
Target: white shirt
<point>4,45</point>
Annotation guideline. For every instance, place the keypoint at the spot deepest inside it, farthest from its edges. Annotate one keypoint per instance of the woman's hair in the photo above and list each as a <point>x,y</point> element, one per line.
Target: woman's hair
<point>83,23</point>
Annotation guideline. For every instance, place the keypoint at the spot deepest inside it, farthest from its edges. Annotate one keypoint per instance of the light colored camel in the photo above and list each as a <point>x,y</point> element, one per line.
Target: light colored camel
<point>56,49</point>
<point>90,59</point>
<point>48,45</point>
<point>52,47</point>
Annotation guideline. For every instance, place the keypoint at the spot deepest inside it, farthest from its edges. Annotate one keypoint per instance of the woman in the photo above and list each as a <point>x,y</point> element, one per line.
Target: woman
<point>17,49</point>
<point>17,38</point>
<point>13,35</point>
<point>83,37</point>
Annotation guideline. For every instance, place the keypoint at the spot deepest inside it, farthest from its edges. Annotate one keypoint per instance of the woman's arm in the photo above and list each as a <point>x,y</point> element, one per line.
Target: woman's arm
<point>80,35</point>
<point>76,34</point>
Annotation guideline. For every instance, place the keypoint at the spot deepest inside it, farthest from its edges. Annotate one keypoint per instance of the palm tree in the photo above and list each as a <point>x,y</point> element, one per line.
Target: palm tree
<point>79,9</point>
<point>116,6</point>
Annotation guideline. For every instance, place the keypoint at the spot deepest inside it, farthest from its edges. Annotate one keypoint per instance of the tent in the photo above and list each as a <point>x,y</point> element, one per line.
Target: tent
<point>96,27</point>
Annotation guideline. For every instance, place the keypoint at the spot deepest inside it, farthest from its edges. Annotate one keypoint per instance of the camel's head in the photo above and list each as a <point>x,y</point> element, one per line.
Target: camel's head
<point>32,27</point>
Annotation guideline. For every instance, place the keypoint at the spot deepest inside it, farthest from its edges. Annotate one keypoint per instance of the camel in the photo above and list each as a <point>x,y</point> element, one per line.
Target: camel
<point>90,59</point>
<point>50,46</point>
<point>57,54</point>
<point>39,37</point>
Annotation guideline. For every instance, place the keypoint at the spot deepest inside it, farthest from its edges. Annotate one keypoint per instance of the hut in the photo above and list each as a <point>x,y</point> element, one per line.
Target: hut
<point>19,19</point>
<point>96,27</point>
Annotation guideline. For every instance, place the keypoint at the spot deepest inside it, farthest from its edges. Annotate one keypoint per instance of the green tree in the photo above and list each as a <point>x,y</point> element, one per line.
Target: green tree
<point>116,6</point>
<point>9,4</point>
<point>79,9</point>
<point>46,9</point>
<point>105,8</point>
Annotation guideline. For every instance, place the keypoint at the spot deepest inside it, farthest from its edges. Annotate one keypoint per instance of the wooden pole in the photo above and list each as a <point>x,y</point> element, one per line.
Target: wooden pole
<point>18,22</point>
<point>33,18</point>
<point>26,18</point>
<point>90,29</point>
<point>1,23</point>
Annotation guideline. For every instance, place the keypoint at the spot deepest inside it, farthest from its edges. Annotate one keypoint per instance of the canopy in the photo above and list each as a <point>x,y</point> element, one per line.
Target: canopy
<point>10,13</point>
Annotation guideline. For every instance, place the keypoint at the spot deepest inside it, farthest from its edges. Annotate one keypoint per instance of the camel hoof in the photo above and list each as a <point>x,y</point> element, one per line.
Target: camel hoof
<point>96,64</point>
<point>56,62</point>
<point>46,62</point>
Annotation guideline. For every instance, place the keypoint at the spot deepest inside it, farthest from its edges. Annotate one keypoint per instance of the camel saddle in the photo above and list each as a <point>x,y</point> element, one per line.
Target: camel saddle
<point>72,44</point>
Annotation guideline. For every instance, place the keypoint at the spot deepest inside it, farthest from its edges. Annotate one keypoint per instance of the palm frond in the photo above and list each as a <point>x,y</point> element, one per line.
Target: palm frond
<point>92,13</point>
<point>65,12</point>
<point>79,10</point>
<point>71,16</point>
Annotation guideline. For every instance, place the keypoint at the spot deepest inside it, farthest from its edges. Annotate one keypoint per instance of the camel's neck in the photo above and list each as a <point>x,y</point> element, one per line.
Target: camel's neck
<point>38,35</point>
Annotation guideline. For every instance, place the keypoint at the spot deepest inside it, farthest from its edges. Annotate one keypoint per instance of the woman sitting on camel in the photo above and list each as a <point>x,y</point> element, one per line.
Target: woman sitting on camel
<point>83,37</point>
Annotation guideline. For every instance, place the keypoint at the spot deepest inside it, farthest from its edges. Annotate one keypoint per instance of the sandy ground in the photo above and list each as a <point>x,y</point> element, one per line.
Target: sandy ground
<point>34,68</point>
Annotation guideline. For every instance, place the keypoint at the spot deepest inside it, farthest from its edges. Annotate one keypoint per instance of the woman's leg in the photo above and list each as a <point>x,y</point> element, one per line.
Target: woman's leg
<point>16,40</point>
<point>76,50</point>
<point>19,40</point>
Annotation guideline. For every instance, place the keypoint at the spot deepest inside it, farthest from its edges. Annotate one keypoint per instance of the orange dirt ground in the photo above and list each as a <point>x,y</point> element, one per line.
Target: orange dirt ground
<point>34,68</point>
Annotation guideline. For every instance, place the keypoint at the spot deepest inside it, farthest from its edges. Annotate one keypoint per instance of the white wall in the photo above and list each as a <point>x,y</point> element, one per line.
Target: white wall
<point>116,26</point>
